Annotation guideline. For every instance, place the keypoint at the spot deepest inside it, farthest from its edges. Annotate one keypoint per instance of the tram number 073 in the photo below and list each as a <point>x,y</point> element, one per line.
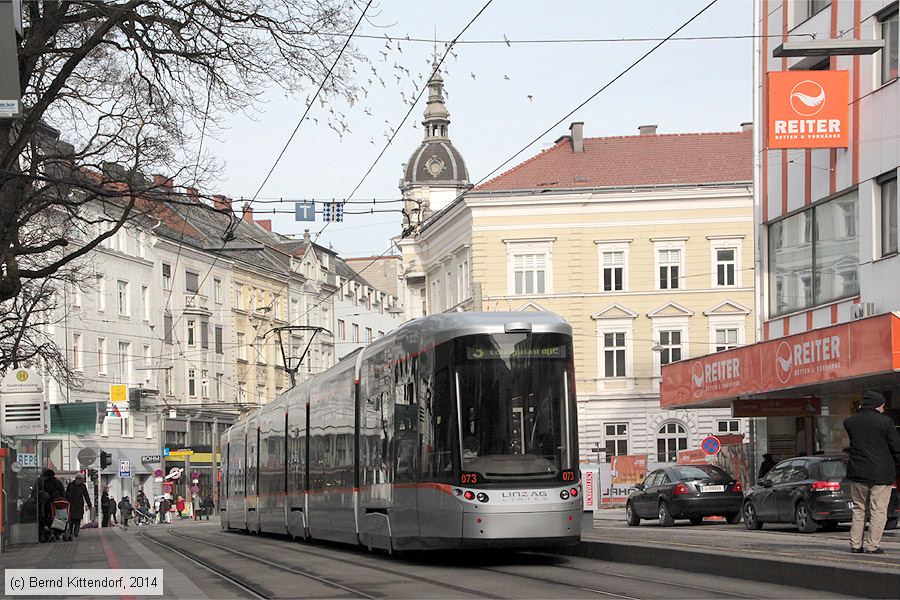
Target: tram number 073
<point>468,478</point>
<point>568,475</point>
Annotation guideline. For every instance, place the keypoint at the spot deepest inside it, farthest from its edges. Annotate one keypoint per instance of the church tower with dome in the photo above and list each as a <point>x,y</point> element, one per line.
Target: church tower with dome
<point>436,173</point>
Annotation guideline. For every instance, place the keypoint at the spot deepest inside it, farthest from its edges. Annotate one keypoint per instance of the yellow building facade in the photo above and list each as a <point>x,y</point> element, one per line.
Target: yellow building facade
<point>643,243</point>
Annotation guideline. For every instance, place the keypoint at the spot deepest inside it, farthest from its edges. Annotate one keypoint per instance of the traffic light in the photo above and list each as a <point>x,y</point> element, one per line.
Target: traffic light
<point>92,474</point>
<point>134,398</point>
<point>105,459</point>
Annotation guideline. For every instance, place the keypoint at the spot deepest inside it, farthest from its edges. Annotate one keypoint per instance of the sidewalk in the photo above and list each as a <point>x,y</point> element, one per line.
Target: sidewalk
<point>113,548</point>
<point>776,554</point>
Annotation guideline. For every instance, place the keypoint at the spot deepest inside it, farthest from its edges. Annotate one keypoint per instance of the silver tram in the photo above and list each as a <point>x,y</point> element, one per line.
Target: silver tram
<point>456,430</point>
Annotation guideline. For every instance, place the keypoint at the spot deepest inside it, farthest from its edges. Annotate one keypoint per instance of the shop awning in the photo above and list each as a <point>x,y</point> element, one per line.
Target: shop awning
<point>836,359</point>
<point>76,417</point>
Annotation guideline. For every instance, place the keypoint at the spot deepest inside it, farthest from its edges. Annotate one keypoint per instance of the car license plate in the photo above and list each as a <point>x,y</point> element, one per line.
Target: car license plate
<point>712,488</point>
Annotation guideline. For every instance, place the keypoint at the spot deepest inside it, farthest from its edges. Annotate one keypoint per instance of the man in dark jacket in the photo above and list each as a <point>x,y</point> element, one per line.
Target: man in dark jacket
<point>77,495</point>
<point>47,489</point>
<point>874,456</point>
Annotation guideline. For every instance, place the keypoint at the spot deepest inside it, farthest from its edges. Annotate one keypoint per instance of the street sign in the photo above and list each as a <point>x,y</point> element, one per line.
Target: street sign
<point>175,473</point>
<point>87,456</point>
<point>124,468</point>
<point>150,458</point>
<point>165,451</point>
<point>9,109</point>
<point>710,445</point>
<point>27,460</point>
<point>158,473</point>
<point>195,474</point>
<point>195,489</point>
<point>23,409</point>
<point>305,211</point>
<point>168,487</point>
<point>118,393</point>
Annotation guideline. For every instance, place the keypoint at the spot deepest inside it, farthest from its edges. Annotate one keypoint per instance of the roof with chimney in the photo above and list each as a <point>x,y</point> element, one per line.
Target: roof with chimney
<point>648,159</point>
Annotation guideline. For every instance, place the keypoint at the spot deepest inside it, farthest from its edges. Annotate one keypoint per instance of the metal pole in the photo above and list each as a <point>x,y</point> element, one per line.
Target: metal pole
<point>214,459</point>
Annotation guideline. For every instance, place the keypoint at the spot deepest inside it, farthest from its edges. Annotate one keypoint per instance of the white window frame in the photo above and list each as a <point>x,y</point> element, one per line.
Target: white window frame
<point>204,384</point>
<point>148,427</point>
<point>727,321</point>
<point>77,352</point>
<point>127,427</point>
<point>239,296</point>
<point>883,17</point>
<point>616,437</point>
<point>242,391</point>
<point>122,298</point>
<point>192,382</point>
<point>615,348</point>
<point>534,246</point>
<point>342,329</point>
<point>671,436</point>
<point>462,280</point>
<point>669,245</point>
<point>241,346</point>
<point>890,177</point>
<point>615,324</point>
<point>725,345</point>
<point>220,387</point>
<point>354,332</point>
<point>260,394</point>
<point>148,356</point>
<point>124,360</point>
<point>102,356</point>
<point>436,296</point>
<point>166,278</point>
<point>217,291</point>
<point>145,303</point>
<point>727,429</point>
<point>167,381</point>
<point>191,332</point>
<point>448,289</point>
<point>669,323</point>
<point>604,247</point>
<point>101,293</point>
<point>717,243</point>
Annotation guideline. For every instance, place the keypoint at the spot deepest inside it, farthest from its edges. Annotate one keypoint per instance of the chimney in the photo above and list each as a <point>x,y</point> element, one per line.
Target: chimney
<point>161,181</point>
<point>113,171</point>
<point>306,237</point>
<point>221,202</point>
<point>577,136</point>
<point>193,194</point>
<point>247,213</point>
<point>647,129</point>
<point>265,224</point>
<point>747,126</point>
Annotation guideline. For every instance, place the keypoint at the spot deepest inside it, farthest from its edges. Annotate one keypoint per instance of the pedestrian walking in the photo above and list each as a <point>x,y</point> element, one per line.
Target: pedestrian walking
<point>208,506</point>
<point>126,508</point>
<point>112,512</point>
<point>766,466</point>
<point>77,495</point>
<point>46,489</point>
<point>195,506</point>
<point>179,506</point>
<point>872,468</point>
<point>165,506</point>
<point>104,508</point>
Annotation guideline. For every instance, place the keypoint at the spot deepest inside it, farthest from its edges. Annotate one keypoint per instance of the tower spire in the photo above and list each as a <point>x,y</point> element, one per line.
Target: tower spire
<point>437,118</point>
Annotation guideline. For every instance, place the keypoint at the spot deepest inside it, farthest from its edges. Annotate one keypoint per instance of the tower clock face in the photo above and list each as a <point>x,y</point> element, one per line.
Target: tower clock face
<point>434,166</point>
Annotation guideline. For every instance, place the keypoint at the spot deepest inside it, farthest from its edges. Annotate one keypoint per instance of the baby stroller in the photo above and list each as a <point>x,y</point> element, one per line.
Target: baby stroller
<point>143,516</point>
<point>59,519</point>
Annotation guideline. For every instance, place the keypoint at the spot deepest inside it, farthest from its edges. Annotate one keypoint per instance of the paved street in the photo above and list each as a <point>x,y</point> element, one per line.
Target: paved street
<point>265,566</point>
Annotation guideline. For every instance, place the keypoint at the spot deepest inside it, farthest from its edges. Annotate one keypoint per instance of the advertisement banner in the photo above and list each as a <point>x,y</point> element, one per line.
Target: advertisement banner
<point>808,109</point>
<point>619,476</point>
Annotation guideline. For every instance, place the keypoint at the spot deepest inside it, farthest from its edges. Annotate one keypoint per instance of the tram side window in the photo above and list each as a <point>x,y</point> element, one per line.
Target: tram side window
<point>436,440</point>
<point>406,421</point>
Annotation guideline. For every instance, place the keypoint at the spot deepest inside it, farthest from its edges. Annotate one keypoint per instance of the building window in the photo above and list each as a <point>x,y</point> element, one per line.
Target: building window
<point>145,302</point>
<point>242,392</point>
<point>260,350</point>
<point>354,332</point>
<point>239,296</point>
<point>260,394</point>
<point>127,427</point>
<point>191,282</point>
<point>669,269</point>
<point>77,350</point>
<point>726,264</point>
<point>814,256</point>
<point>192,383</point>
<point>167,276</point>
<point>616,436</point>
<point>728,426</point>
<point>462,281</point>
<point>101,294</point>
<point>220,389</point>
<point>530,273</point>
<point>148,357</point>
<point>122,297</point>
<point>671,438</point>
<point>889,33</point>
<point>124,362</point>
<point>190,332</point>
<point>613,271</point>
<point>101,356</point>
<point>342,331</point>
<point>167,381</point>
<point>368,335</point>
<point>726,339</point>
<point>671,347</point>
<point>204,384</point>
<point>219,344</point>
<point>204,334</point>
<point>241,347</point>
<point>167,328</point>
<point>435,295</point>
<point>614,354</point>
<point>888,188</point>
<point>217,291</point>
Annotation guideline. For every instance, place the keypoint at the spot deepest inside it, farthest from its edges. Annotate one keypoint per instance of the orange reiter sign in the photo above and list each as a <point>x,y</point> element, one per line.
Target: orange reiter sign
<point>808,109</point>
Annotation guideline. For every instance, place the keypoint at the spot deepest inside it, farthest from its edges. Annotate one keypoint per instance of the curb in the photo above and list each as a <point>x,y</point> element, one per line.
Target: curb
<point>805,574</point>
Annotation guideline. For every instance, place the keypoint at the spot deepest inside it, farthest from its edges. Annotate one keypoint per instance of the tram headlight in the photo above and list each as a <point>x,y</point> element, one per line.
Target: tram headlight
<point>564,495</point>
<point>482,497</point>
<point>457,492</point>
<point>469,495</point>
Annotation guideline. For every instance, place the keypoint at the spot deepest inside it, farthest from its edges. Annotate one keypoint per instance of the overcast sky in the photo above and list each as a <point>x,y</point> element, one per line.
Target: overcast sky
<point>518,90</point>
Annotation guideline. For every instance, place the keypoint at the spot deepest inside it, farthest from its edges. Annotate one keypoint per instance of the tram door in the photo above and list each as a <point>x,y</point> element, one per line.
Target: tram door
<point>253,475</point>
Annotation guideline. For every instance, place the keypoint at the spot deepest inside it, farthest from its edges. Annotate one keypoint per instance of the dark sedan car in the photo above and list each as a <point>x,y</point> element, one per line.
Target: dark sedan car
<point>809,491</point>
<point>685,492</point>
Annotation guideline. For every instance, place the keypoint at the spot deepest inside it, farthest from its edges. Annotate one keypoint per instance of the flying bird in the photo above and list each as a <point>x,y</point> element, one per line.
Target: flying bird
<point>473,75</point>
<point>530,98</point>
<point>506,77</point>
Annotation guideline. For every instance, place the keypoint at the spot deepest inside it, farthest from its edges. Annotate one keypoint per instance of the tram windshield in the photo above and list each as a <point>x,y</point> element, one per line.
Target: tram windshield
<point>513,391</point>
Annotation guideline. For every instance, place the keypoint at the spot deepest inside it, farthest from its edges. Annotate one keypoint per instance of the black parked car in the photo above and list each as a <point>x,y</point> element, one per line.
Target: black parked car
<point>809,491</point>
<point>685,492</point>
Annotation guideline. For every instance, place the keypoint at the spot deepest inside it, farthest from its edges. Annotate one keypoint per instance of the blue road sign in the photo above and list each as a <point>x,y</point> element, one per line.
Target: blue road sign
<point>305,211</point>
<point>165,451</point>
<point>710,445</point>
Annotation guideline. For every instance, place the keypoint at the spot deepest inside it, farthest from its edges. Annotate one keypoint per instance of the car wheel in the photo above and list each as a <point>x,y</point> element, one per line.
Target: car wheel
<point>696,520</point>
<point>665,517</point>
<point>631,517</point>
<point>890,524</point>
<point>751,520</point>
<point>733,518</point>
<point>803,518</point>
